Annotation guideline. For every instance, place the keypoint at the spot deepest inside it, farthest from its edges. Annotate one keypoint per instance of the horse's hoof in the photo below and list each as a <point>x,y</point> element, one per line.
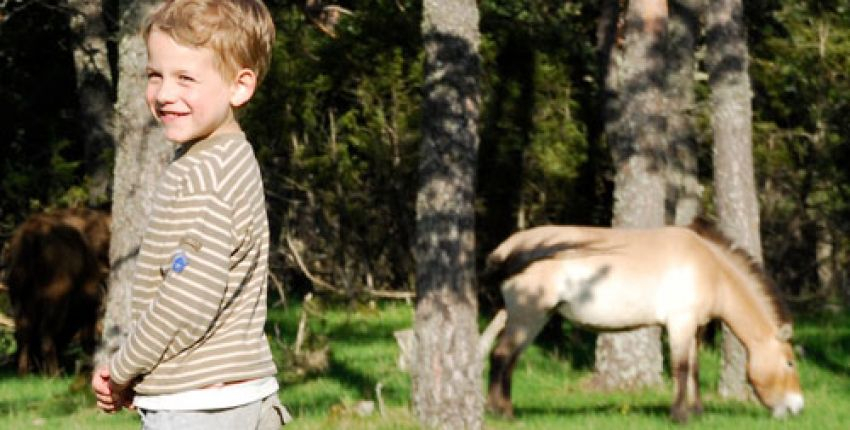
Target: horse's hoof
<point>501,412</point>
<point>697,409</point>
<point>679,416</point>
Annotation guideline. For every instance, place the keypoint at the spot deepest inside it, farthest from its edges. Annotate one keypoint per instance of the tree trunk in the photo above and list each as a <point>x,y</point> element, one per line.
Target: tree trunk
<point>826,262</point>
<point>447,380</point>
<point>95,89</point>
<point>737,205</point>
<point>636,129</point>
<point>141,156</point>
<point>684,191</point>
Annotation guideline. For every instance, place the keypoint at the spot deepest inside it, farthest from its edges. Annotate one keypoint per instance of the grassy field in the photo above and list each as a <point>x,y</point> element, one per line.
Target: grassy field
<point>548,391</point>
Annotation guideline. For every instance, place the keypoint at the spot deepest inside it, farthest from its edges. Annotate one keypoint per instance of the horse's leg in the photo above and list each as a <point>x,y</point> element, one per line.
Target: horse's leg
<point>499,396</point>
<point>521,328</point>
<point>53,323</point>
<point>50,356</point>
<point>693,363</point>
<point>681,334</point>
<point>23,337</point>
<point>26,337</point>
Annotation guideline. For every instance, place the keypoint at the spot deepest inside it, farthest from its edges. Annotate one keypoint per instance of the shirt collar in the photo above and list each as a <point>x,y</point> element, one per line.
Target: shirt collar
<point>210,142</point>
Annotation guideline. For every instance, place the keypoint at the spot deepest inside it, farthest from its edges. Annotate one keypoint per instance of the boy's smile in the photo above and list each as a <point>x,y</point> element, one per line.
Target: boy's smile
<point>186,91</point>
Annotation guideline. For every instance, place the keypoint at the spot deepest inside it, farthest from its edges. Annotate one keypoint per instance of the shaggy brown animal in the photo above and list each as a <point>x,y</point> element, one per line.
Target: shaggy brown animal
<point>56,266</point>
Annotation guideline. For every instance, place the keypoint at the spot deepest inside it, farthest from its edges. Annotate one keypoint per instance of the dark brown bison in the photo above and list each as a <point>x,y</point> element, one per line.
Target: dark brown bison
<point>56,266</point>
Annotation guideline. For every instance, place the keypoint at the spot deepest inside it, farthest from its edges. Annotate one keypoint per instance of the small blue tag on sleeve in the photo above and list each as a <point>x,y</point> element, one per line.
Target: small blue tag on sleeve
<point>179,262</point>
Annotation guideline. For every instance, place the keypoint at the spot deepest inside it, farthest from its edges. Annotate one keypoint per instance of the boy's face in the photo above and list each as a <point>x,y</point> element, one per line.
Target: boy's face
<point>187,93</point>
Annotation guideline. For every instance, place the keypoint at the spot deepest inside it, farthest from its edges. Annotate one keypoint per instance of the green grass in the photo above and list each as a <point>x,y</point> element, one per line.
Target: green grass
<point>548,390</point>
<point>53,403</point>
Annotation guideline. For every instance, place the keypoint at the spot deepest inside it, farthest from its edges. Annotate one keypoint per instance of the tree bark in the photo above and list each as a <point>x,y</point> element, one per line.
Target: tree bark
<point>684,191</point>
<point>636,127</point>
<point>737,205</point>
<point>142,154</point>
<point>447,380</point>
<point>95,89</point>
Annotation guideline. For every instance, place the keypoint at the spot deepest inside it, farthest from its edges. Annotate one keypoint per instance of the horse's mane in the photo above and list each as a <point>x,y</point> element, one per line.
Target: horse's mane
<point>709,231</point>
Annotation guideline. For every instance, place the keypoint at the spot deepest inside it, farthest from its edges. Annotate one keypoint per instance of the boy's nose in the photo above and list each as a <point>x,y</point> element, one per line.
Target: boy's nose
<point>166,92</point>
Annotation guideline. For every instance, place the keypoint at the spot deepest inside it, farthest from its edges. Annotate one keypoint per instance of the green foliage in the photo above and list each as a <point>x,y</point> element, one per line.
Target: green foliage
<point>558,145</point>
<point>338,129</point>
<point>538,152</point>
<point>336,126</point>
<point>40,163</point>
<point>799,71</point>
<point>8,346</point>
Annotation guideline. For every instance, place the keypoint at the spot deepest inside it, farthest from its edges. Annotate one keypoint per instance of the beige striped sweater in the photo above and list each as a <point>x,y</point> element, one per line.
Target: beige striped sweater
<point>199,291</point>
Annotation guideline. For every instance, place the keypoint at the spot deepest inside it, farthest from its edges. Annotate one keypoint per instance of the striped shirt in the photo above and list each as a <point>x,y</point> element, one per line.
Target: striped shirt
<point>199,290</point>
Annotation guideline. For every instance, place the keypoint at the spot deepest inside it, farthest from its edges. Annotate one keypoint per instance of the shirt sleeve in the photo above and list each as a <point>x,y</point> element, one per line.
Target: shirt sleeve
<point>193,291</point>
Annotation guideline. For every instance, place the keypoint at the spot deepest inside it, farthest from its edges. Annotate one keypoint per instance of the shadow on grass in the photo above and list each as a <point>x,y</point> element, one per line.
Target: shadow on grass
<point>348,377</point>
<point>562,338</point>
<point>659,410</point>
<point>363,330</point>
<point>653,410</point>
<point>357,381</point>
<point>832,353</point>
<point>354,322</point>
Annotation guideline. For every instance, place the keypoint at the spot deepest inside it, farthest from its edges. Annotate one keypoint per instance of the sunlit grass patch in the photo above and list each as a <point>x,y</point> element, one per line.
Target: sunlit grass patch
<point>54,403</point>
<point>549,389</point>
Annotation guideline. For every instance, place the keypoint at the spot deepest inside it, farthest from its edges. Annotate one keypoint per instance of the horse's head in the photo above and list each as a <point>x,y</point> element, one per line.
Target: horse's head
<point>773,373</point>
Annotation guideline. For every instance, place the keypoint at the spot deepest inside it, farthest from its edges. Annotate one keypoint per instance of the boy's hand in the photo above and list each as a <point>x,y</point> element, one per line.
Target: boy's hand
<point>110,397</point>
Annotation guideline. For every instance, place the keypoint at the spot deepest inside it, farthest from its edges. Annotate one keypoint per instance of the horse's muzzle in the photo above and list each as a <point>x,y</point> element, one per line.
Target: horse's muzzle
<point>792,403</point>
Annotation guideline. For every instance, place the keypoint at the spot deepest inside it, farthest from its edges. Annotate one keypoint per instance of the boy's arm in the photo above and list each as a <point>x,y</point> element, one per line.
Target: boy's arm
<point>193,289</point>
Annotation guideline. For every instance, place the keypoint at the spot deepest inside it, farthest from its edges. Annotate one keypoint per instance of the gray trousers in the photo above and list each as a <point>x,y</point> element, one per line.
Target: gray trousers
<point>266,414</point>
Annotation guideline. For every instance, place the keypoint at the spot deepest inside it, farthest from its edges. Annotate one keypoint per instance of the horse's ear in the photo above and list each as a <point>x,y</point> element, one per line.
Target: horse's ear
<point>785,332</point>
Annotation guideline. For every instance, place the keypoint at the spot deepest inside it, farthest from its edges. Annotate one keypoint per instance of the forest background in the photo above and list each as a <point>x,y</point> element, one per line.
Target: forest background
<point>337,129</point>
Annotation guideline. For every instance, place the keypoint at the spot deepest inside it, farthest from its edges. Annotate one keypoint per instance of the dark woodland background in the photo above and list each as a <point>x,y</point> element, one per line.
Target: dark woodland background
<point>336,126</point>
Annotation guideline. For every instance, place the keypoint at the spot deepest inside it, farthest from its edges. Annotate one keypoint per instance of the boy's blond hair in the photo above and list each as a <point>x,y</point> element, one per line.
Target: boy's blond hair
<point>239,32</point>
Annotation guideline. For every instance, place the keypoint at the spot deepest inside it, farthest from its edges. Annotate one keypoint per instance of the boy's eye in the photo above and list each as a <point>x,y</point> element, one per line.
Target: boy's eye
<point>186,78</point>
<point>153,75</point>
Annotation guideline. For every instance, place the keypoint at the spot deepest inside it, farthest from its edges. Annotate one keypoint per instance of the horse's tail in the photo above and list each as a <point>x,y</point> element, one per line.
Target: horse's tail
<point>522,249</point>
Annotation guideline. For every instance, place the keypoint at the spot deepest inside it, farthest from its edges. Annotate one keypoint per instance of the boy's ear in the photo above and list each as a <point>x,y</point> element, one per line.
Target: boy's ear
<point>244,85</point>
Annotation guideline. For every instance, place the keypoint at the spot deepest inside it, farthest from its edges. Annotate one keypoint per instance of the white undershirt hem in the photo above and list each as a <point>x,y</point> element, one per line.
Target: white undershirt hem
<point>227,396</point>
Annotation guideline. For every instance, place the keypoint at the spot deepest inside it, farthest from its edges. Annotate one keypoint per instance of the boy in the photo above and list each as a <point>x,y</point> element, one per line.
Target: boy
<point>197,356</point>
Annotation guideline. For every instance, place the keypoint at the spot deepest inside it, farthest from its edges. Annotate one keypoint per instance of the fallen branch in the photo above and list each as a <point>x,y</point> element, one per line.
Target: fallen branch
<point>321,284</point>
<point>399,295</point>
<point>301,334</point>
<point>316,281</point>
<point>279,286</point>
<point>402,295</point>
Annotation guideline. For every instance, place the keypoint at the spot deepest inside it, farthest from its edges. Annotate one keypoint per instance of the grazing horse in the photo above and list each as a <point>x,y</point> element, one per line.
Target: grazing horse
<point>615,279</point>
<point>56,265</point>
